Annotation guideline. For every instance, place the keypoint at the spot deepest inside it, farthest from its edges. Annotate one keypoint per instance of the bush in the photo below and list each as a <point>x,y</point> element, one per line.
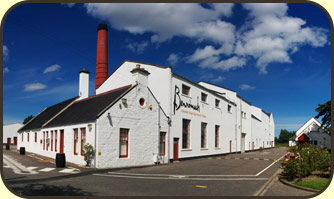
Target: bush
<point>89,153</point>
<point>302,160</point>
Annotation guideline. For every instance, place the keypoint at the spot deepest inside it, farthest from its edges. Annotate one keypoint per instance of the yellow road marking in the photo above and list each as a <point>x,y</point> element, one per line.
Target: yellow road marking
<point>200,186</point>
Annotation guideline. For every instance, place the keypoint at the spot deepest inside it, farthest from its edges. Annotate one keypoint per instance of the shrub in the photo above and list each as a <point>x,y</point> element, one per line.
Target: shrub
<point>89,153</point>
<point>302,160</point>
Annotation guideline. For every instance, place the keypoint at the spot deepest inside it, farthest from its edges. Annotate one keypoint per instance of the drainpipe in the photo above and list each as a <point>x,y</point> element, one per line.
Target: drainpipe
<point>95,145</point>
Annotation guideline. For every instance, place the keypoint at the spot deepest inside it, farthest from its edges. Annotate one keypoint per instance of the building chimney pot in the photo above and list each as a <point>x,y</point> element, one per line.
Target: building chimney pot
<point>83,84</point>
<point>101,55</point>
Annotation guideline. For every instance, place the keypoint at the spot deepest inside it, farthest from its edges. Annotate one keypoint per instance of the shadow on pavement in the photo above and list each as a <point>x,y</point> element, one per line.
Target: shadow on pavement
<point>49,190</point>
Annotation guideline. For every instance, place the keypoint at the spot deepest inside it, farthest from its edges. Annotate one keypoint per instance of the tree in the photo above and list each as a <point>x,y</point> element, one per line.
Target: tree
<point>27,119</point>
<point>285,135</point>
<point>324,111</point>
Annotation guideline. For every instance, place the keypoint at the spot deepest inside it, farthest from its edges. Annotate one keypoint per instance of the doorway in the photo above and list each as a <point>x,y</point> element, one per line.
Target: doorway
<point>243,142</point>
<point>176,149</point>
<point>61,148</point>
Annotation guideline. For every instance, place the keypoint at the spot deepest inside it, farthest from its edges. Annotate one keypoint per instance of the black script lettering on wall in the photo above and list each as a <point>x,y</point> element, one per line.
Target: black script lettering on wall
<point>178,102</point>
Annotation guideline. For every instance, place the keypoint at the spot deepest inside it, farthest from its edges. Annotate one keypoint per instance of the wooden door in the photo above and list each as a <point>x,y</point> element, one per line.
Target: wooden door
<point>176,149</point>
<point>61,148</point>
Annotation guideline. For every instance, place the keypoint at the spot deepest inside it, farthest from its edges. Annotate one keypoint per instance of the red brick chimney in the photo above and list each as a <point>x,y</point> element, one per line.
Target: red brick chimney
<point>101,55</point>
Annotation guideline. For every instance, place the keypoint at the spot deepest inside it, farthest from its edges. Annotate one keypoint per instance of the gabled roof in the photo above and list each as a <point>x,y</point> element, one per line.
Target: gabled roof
<point>44,116</point>
<point>306,125</point>
<point>88,109</point>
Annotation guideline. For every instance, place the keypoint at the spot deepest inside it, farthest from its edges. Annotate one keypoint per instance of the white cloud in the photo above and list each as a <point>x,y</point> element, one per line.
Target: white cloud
<point>246,87</point>
<point>52,68</point>
<point>70,5</point>
<point>212,78</point>
<point>166,20</point>
<point>34,87</point>
<point>137,47</point>
<point>6,70</point>
<point>5,52</point>
<point>268,34</point>
<point>173,59</point>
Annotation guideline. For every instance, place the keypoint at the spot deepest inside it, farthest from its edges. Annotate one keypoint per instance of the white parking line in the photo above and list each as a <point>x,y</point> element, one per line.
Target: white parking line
<point>47,169</point>
<point>171,178</point>
<point>269,166</point>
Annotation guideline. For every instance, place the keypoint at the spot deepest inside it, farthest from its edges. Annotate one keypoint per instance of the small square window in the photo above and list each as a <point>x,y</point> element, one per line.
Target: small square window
<point>204,97</point>
<point>217,103</point>
<point>229,108</point>
<point>185,90</point>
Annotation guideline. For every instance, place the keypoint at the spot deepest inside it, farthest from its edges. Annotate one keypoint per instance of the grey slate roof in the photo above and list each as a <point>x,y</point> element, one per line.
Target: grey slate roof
<point>44,116</point>
<point>88,109</point>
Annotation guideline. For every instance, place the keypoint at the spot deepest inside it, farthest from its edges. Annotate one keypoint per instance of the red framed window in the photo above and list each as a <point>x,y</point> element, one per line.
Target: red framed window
<point>51,140</point>
<point>35,137</point>
<point>75,137</point>
<point>43,140</point>
<point>56,136</point>
<point>162,146</point>
<point>47,141</point>
<point>83,139</point>
<point>124,143</point>
<point>186,134</point>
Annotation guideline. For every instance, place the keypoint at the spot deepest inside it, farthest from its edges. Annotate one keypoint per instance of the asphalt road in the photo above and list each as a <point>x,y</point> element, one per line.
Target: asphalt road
<point>231,175</point>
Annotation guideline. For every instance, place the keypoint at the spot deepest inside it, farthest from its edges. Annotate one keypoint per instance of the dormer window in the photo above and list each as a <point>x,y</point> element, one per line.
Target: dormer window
<point>185,90</point>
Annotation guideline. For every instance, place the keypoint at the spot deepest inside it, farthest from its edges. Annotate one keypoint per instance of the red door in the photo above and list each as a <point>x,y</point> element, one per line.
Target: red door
<point>61,148</point>
<point>15,140</point>
<point>176,149</point>
<point>8,141</point>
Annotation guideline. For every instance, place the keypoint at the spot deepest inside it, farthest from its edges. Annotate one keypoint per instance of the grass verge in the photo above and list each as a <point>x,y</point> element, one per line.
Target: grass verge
<point>313,184</point>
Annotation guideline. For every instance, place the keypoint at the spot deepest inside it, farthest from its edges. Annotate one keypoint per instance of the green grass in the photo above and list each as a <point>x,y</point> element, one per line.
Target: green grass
<point>314,184</point>
<point>279,145</point>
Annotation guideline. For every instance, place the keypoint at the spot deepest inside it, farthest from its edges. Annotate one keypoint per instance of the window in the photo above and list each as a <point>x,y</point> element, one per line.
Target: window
<point>43,140</point>
<point>123,143</point>
<point>243,114</point>
<point>35,137</point>
<point>186,134</point>
<point>75,140</point>
<point>229,108</point>
<point>185,90</point>
<point>83,139</point>
<point>315,142</point>
<point>22,137</point>
<point>47,141</point>
<point>204,97</point>
<point>162,146</point>
<point>27,137</point>
<point>51,140</point>
<point>217,103</point>
<point>203,134</point>
<point>217,136</point>
<point>56,138</point>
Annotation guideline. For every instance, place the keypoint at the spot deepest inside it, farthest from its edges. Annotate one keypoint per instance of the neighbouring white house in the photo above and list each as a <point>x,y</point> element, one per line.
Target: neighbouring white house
<point>143,113</point>
<point>311,132</point>
<point>9,135</point>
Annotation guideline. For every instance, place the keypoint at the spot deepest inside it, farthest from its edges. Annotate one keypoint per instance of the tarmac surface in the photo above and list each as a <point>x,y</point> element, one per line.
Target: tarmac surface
<point>258,169</point>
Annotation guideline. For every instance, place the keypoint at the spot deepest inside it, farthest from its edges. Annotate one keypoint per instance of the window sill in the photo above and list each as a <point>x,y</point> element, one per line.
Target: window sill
<point>186,149</point>
<point>204,149</point>
<point>188,96</point>
<point>218,148</point>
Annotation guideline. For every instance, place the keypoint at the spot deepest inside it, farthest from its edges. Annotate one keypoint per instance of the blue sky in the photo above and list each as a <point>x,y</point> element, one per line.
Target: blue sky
<point>276,56</point>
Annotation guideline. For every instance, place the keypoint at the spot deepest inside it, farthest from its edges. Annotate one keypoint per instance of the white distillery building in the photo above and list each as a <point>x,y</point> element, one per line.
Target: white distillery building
<point>144,113</point>
<point>9,135</point>
<point>312,133</point>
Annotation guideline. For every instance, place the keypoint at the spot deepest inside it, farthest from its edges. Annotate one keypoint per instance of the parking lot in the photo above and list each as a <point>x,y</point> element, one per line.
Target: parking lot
<point>245,174</point>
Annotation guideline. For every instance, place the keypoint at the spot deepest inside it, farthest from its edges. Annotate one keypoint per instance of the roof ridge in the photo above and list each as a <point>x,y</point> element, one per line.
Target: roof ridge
<point>104,93</point>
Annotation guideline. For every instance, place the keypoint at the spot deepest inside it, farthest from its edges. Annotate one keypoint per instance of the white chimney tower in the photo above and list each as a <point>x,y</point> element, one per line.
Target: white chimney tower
<point>83,84</point>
